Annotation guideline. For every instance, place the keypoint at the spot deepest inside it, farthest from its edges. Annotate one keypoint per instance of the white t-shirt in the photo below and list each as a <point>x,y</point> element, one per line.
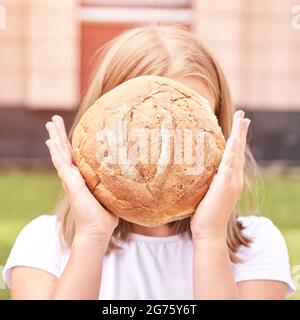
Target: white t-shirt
<point>152,267</point>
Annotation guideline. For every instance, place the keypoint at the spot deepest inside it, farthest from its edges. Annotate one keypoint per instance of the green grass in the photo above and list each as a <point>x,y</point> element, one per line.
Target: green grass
<point>25,195</point>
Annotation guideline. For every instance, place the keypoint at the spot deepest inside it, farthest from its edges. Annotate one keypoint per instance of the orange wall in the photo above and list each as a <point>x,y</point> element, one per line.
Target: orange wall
<point>93,35</point>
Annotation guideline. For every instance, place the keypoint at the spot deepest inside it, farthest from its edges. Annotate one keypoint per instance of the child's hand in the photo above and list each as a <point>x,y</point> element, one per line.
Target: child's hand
<point>213,212</point>
<point>91,219</point>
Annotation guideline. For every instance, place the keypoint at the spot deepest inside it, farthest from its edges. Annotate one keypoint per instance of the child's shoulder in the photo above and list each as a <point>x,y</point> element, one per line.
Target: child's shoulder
<point>255,225</point>
<point>266,239</point>
<point>266,258</point>
<point>38,246</point>
<point>41,228</point>
<point>255,221</point>
<point>42,223</point>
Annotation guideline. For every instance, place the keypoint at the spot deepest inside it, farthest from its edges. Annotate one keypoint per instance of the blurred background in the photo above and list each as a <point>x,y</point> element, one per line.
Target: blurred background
<point>45,52</point>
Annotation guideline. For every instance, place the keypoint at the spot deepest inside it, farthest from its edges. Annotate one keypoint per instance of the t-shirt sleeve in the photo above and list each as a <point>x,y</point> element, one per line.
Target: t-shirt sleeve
<point>267,256</point>
<point>36,246</point>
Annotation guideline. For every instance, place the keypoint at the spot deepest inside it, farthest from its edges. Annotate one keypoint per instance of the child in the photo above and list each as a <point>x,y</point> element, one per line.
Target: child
<point>213,255</point>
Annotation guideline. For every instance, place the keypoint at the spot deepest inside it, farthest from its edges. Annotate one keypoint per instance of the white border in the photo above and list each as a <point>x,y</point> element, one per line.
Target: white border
<point>133,15</point>
<point>136,2</point>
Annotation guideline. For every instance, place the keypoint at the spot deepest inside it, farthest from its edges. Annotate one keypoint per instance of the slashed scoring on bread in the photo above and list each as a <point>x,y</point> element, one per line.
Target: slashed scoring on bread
<point>148,149</point>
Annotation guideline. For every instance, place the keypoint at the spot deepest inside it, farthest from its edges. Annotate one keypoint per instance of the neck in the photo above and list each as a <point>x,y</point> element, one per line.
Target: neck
<point>160,231</point>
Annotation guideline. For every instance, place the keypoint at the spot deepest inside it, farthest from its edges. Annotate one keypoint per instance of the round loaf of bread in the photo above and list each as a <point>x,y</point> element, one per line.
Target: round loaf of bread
<point>148,150</point>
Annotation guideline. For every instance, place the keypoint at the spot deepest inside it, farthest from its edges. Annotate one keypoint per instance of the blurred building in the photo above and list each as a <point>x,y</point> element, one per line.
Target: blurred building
<point>46,46</point>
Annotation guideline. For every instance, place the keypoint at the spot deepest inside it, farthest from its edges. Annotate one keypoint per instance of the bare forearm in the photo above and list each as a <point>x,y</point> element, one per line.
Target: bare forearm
<point>81,278</point>
<point>212,272</point>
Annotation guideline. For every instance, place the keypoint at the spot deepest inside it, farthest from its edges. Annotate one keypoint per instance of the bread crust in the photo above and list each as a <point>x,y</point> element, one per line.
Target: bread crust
<point>160,189</point>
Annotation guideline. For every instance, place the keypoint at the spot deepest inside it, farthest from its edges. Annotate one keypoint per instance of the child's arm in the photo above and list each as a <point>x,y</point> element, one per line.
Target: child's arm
<point>80,279</point>
<point>213,276</point>
<point>94,227</point>
<point>212,270</point>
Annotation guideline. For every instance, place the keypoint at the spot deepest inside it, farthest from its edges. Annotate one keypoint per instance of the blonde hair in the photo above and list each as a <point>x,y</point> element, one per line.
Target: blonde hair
<point>163,51</point>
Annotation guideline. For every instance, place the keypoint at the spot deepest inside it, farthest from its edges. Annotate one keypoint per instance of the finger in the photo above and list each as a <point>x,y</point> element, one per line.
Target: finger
<point>231,152</point>
<point>54,136</point>
<point>229,155</point>
<point>236,126</point>
<point>56,156</point>
<point>243,139</point>
<point>59,123</point>
<point>234,141</point>
<point>236,131</point>
<point>221,181</point>
<point>240,164</point>
<point>70,177</point>
<point>230,167</point>
<point>246,123</point>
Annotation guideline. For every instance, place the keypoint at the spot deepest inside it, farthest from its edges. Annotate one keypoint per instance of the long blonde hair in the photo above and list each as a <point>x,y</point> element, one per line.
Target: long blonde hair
<point>164,51</point>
